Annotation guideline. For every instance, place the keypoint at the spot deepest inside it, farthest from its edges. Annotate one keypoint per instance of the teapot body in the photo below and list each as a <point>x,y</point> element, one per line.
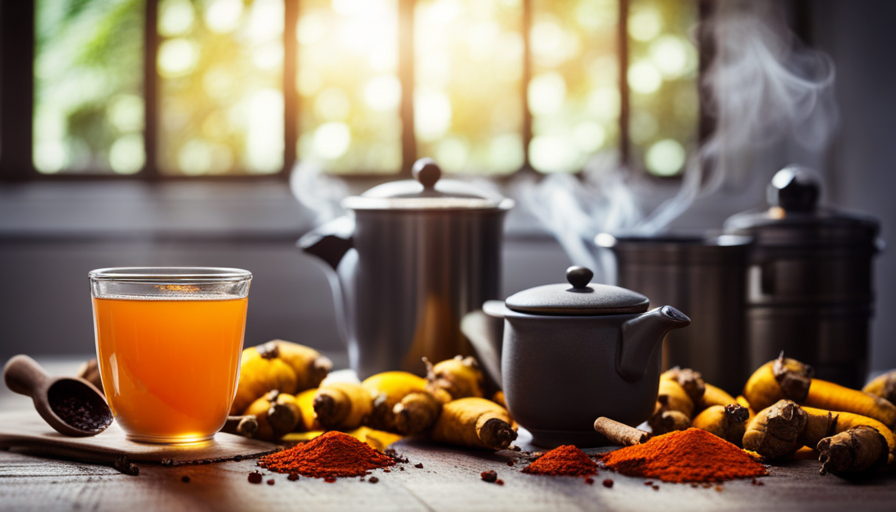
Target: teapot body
<point>560,373</point>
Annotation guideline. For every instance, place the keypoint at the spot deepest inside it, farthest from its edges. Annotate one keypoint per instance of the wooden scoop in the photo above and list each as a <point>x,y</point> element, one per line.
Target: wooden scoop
<point>72,406</point>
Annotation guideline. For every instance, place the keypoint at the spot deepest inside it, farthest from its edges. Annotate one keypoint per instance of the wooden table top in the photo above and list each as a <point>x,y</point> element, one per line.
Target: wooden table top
<point>449,480</point>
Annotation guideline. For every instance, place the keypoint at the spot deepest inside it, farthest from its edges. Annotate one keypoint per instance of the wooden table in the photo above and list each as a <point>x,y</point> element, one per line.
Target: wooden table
<point>449,480</point>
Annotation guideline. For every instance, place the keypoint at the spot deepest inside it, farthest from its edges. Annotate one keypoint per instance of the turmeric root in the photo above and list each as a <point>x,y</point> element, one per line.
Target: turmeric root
<point>792,380</point>
<point>416,412</point>
<point>824,424</point>
<point>460,377</point>
<point>726,421</point>
<point>664,421</point>
<point>245,426</point>
<point>276,414</point>
<point>499,399</point>
<point>834,397</point>
<point>281,365</point>
<point>387,389</point>
<point>858,450</point>
<point>775,431</point>
<point>715,396</point>
<point>342,405</point>
<point>780,379</point>
<point>475,423</point>
<point>883,386</point>
<point>689,380</point>
<point>672,397</point>
<point>305,401</point>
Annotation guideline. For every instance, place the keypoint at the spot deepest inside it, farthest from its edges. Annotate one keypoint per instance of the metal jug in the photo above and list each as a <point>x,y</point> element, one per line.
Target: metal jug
<point>809,290</point>
<point>410,260</point>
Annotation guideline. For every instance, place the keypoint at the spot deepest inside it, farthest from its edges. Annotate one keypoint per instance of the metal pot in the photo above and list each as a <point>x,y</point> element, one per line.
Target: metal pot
<point>575,352</point>
<point>809,289</point>
<point>704,276</point>
<point>413,257</point>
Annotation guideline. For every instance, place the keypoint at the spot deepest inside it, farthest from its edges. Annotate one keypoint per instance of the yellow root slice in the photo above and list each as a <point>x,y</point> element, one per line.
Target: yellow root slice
<point>474,423</point>
<point>781,379</point>
<point>726,421</point>
<point>387,389</point>
<point>858,450</point>
<point>417,412</point>
<point>342,405</point>
<point>460,377</point>
<point>834,397</point>
<point>883,386</point>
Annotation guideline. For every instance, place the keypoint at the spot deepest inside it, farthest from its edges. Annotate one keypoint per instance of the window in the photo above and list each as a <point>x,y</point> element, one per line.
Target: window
<point>173,88</point>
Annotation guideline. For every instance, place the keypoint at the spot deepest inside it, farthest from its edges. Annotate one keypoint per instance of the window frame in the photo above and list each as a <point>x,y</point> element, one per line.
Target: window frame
<point>17,98</point>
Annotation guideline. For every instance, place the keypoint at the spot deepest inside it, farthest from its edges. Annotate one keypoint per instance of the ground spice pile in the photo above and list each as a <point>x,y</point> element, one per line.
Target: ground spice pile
<point>330,455</point>
<point>564,460</point>
<point>691,455</point>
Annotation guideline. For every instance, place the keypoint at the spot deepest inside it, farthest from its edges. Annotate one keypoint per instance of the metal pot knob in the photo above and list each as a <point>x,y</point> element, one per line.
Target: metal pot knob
<point>795,189</point>
<point>427,172</point>
<point>579,277</point>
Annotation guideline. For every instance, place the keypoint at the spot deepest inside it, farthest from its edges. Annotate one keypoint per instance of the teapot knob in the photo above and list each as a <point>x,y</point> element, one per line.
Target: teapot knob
<point>579,277</point>
<point>795,189</point>
<point>427,172</point>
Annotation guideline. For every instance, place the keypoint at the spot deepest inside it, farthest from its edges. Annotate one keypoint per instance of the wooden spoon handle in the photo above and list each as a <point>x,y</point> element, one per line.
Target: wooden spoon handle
<point>24,376</point>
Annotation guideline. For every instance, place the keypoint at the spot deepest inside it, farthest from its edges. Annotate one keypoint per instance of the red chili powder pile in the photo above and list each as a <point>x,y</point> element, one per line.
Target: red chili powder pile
<point>691,455</point>
<point>566,460</point>
<point>329,455</point>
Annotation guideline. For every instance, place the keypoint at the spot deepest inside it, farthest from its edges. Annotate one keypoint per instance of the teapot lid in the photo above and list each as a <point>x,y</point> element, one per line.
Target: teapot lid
<point>427,191</point>
<point>583,298</point>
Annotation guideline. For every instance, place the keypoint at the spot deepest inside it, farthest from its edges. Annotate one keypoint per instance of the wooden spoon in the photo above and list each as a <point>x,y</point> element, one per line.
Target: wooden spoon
<point>72,406</point>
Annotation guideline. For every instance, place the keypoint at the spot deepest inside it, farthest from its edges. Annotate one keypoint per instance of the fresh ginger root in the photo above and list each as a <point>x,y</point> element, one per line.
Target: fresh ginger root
<point>726,421</point>
<point>342,405</point>
<point>715,396</point>
<point>858,450</point>
<point>776,380</point>
<point>387,389</point>
<point>460,377</point>
<point>781,429</point>
<point>281,365</point>
<point>792,380</point>
<point>475,423</point>
<point>664,421</point>
<point>883,386</point>
<point>416,412</point>
<point>680,389</point>
<point>276,413</point>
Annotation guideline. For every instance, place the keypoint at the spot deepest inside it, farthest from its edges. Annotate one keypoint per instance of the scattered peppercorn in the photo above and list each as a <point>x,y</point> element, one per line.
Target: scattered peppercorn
<point>401,468</point>
<point>608,483</point>
<point>656,487</point>
<point>648,483</point>
<point>293,477</point>
<point>185,479</point>
<point>589,480</point>
<point>718,488</point>
<point>330,479</point>
<point>418,465</point>
<point>271,481</point>
<point>489,476</point>
<point>387,471</point>
<point>374,479</point>
<point>510,463</point>
<point>499,481</point>
<point>255,477</point>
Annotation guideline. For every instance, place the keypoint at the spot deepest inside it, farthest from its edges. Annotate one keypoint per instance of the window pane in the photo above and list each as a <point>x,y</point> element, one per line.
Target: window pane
<point>662,79</point>
<point>574,93</point>
<point>88,85</point>
<point>468,106</point>
<point>349,91</point>
<point>220,93</point>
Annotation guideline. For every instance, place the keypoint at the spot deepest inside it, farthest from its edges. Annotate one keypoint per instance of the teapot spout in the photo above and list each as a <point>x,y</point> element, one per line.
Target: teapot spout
<point>640,337</point>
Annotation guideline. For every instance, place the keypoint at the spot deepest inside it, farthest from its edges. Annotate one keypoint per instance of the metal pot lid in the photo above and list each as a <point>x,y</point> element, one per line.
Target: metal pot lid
<point>583,298</point>
<point>427,191</point>
<point>794,217</point>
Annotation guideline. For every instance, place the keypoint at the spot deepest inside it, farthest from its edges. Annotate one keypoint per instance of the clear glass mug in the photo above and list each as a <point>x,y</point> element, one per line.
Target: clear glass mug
<point>168,343</point>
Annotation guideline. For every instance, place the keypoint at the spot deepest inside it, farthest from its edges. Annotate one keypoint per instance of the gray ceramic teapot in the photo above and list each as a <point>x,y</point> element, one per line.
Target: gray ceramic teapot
<point>574,353</point>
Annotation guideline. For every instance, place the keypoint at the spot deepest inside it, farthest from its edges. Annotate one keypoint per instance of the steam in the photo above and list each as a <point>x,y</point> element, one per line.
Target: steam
<point>319,192</point>
<point>761,88</point>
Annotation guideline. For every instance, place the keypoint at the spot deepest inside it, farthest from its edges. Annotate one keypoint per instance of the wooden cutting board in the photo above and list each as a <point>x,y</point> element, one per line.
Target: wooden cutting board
<point>26,431</point>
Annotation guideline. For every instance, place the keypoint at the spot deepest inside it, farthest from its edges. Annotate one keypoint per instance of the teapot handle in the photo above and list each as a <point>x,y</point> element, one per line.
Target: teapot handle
<point>330,241</point>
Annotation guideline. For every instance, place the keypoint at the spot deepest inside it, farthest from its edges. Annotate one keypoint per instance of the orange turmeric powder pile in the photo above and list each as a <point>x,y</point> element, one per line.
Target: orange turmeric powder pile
<point>691,455</point>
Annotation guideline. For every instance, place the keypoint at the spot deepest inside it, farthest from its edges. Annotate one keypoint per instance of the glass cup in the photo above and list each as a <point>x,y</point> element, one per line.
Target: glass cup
<point>168,343</point>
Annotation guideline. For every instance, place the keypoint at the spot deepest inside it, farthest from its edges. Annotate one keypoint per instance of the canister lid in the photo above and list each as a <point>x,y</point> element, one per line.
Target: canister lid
<point>794,217</point>
<point>427,191</point>
<point>579,297</point>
